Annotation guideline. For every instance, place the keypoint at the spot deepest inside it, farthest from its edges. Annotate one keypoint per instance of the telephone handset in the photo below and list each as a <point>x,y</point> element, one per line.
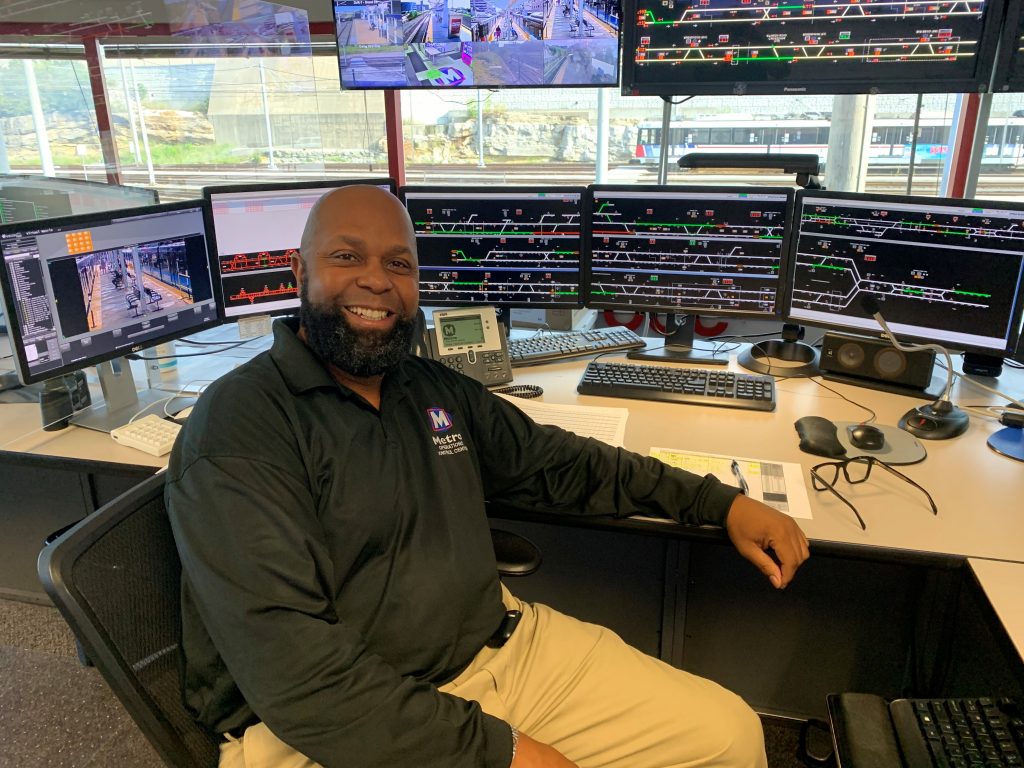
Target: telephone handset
<point>470,341</point>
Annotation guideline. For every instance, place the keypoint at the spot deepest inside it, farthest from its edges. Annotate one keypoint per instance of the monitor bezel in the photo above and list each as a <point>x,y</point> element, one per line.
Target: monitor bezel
<point>85,183</point>
<point>284,186</point>
<point>991,31</point>
<point>496,190</point>
<point>1018,310</point>
<point>80,219</point>
<point>654,189</point>
<point>1012,31</point>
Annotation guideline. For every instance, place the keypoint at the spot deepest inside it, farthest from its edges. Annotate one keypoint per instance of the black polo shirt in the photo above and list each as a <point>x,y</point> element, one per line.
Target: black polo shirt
<point>337,563</point>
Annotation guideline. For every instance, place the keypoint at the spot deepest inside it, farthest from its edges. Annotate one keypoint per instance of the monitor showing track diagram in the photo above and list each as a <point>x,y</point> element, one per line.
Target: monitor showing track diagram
<point>256,230</point>
<point>516,247</point>
<point>942,270</point>
<point>713,250</point>
<point>815,46</point>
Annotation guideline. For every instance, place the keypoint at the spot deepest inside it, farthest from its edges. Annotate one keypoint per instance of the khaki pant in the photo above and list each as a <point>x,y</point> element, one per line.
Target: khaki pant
<point>581,689</point>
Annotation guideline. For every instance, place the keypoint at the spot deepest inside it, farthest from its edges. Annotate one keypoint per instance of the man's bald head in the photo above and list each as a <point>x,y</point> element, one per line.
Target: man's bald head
<point>355,208</point>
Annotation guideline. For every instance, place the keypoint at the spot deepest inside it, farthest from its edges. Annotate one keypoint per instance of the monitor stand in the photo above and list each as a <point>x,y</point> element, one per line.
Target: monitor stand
<point>679,346</point>
<point>783,357</point>
<point>504,314</point>
<point>121,400</point>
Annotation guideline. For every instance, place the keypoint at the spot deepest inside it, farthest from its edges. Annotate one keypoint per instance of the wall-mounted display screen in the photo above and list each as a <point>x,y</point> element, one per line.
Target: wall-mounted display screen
<point>811,46</point>
<point>477,43</point>
<point>1009,68</point>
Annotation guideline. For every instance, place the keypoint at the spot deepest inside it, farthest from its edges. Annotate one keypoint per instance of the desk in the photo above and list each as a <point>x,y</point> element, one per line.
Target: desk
<point>868,604</point>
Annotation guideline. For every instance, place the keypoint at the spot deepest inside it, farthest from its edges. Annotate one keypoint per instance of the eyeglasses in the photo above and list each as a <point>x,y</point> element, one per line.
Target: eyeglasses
<point>825,476</point>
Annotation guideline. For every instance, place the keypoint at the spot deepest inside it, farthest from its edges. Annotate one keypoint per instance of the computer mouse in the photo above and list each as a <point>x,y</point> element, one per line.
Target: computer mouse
<point>182,415</point>
<point>866,437</point>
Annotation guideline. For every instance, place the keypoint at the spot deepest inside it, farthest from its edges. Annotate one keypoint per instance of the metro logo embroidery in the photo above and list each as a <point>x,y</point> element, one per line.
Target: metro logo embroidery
<point>450,444</point>
<point>440,419</point>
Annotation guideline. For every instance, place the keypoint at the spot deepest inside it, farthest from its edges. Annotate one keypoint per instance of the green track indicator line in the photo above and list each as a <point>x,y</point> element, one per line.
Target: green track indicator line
<point>972,293</point>
<point>914,291</point>
<point>829,266</point>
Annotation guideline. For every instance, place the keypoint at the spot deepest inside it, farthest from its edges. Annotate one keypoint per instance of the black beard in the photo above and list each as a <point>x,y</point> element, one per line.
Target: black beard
<point>359,353</point>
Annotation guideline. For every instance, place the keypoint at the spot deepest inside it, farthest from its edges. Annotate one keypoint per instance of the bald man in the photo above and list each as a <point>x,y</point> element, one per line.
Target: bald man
<point>340,600</point>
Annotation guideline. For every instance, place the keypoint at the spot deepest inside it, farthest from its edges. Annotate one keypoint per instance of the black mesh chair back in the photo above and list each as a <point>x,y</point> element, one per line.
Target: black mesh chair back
<point>115,578</point>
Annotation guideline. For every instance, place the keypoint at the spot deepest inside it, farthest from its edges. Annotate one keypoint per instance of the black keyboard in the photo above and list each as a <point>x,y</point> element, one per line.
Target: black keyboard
<point>959,733</point>
<point>549,347</point>
<point>695,386</point>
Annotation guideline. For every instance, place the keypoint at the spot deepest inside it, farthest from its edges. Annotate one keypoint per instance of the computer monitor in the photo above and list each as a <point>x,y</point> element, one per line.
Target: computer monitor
<point>1008,73</point>
<point>255,230</point>
<point>31,198</point>
<point>948,271</point>
<point>477,43</point>
<point>84,290</point>
<point>874,46</point>
<point>697,250</point>
<point>502,246</point>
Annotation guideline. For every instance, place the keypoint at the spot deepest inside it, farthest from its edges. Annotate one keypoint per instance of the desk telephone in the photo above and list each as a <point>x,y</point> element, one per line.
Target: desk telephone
<point>925,733</point>
<point>470,341</point>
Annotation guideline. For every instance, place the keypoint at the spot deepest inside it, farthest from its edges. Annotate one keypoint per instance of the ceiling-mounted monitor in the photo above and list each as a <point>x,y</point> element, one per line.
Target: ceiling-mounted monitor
<point>721,47</point>
<point>477,43</point>
<point>1009,68</point>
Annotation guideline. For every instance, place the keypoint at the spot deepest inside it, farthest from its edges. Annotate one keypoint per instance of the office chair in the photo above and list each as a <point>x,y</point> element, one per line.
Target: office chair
<point>115,577</point>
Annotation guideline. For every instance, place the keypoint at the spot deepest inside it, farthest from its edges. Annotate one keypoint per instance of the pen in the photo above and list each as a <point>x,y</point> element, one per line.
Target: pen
<point>744,488</point>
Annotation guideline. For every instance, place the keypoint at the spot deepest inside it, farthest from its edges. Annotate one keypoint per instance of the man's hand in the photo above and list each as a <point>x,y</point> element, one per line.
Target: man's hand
<point>532,754</point>
<point>755,528</point>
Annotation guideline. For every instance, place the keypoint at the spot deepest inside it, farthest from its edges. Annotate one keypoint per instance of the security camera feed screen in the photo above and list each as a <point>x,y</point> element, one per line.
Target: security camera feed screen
<point>91,289</point>
<point>821,46</point>
<point>477,43</point>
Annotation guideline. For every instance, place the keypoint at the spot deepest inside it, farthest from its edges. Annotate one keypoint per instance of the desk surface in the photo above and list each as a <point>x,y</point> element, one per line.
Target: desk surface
<point>978,492</point>
<point>1001,582</point>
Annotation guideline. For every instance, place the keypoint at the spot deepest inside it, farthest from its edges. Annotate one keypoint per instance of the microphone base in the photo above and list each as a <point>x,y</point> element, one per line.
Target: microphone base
<point>931,423</point>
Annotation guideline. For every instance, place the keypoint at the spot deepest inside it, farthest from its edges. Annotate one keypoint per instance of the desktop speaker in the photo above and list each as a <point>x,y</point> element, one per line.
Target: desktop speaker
<point>875,360</point>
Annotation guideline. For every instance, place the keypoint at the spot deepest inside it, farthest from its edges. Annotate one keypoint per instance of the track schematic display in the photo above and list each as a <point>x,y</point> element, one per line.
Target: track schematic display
<point>940,270</point>
<point>833,46</point>
<point>516,248</point>
<point>257,229</point>
<point>694,250</point>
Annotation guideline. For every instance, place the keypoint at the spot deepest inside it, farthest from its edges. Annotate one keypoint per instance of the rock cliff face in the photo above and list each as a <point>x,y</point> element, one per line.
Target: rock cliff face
<point>567,138</point>
<point>68,131</point>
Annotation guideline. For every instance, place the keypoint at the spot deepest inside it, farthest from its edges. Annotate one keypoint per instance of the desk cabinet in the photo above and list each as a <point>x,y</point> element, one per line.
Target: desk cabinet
<point>873,621</point>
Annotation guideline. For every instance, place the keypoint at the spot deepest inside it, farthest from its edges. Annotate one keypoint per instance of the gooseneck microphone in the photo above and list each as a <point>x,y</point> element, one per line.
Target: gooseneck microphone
<point>935,421</point>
